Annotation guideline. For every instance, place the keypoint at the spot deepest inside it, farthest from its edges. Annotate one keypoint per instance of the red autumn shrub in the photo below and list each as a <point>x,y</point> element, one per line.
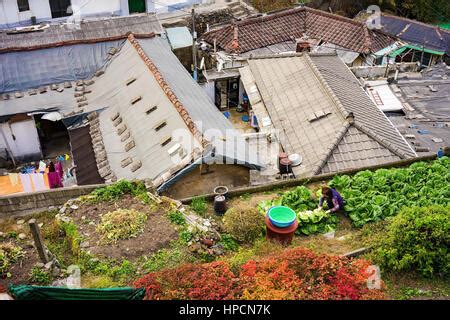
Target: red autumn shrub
<point>291,275</point>
<point>212,281</point>
<point>269,279</point>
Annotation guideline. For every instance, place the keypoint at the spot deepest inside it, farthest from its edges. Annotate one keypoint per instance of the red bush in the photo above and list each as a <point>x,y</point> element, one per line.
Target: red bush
<point>212,281</point>
<point>293,274</point>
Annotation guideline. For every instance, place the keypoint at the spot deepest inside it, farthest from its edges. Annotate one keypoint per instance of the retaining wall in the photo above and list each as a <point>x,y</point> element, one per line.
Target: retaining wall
<point>324,177</point>
<point>27,203</point>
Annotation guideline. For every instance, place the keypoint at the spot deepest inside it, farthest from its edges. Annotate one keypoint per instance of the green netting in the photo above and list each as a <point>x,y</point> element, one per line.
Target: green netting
<point>445,25</point>
<point>410,46</point>
<point>24,292</point>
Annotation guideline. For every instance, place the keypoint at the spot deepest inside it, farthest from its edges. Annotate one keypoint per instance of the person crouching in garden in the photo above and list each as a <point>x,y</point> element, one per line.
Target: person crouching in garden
<point>334,200</point>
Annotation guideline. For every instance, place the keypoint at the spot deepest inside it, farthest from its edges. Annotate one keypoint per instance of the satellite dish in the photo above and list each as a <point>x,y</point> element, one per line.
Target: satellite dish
<point>296,159</point>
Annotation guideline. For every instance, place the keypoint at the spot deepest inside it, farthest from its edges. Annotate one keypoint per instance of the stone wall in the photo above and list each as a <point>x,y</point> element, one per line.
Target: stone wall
<point>374,72</point>
<point>27,203</point>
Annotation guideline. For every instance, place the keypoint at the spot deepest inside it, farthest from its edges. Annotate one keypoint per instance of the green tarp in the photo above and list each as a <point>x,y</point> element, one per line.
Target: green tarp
<point>24,292</point>
<point>445,25</point>
<point>410,46</point>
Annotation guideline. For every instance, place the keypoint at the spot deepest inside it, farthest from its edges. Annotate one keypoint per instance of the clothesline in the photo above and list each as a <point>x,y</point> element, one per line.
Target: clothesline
<point>32,179</point>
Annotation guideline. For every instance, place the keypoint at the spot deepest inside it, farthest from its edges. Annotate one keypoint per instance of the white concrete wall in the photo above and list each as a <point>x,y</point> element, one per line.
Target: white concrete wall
<point>163,6</point>
<point>26,142</point>
<point>11,17</point>
<point>89,7</point>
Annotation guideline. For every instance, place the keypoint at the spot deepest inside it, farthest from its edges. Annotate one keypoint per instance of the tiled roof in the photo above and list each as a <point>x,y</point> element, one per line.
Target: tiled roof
<point>417,33</point>
<point>287,25</point>
<point>89,31</point>
<point>139,103</point>
<point>354,99</point>
<point>311,118</point>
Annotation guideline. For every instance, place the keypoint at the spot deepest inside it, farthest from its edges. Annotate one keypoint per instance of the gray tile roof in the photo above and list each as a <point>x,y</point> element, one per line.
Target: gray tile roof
<point>313,118</point>
<point>357,150</point>
<point>96,30</point>
<point>354,98</point>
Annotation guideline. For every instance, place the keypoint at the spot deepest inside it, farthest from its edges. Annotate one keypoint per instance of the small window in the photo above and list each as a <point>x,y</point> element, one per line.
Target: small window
<point>151,110</point>
<point>60,8</point>
<point>23,5</point>
<point>136,100</point>
<point>166,142</point>
<point>160,126</point>
<point>130,81</point>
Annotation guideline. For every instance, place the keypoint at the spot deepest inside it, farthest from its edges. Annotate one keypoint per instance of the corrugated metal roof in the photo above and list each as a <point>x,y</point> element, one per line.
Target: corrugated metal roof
<point>179,37</point>
<point>88,31</point>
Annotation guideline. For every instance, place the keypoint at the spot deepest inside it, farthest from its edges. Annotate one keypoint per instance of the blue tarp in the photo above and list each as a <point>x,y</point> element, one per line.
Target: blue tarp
<point>32,69</point>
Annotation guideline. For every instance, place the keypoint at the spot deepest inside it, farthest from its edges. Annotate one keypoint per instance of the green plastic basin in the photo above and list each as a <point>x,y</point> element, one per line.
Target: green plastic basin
<point>282,217</point>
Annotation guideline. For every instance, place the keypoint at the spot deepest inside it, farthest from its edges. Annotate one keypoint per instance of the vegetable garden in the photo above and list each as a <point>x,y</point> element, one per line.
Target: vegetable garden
<point>402,214</point>
<point>371,196</point>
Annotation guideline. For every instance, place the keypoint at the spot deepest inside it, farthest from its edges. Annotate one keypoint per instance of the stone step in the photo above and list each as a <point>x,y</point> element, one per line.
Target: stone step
<point>234,4</point>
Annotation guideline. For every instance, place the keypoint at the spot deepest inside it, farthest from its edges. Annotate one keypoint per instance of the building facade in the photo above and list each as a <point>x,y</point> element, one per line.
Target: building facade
<point>17,13</point>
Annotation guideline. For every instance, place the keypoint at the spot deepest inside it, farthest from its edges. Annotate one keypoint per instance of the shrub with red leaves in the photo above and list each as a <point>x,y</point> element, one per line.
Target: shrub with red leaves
<point>212,281</point>
<point>291,275</point>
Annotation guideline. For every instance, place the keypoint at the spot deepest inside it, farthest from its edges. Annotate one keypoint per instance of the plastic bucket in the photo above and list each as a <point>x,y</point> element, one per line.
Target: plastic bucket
<point>282,217</point>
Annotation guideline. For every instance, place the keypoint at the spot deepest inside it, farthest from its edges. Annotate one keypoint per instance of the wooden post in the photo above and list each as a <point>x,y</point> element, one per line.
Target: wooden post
<point>194,46</point>
<point>38,242</point>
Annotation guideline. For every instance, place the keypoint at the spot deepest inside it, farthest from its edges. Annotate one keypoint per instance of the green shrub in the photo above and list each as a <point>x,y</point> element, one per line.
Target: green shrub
<point>199,205</point>
<point>72,237</point>
<point>243,223</point>
<point>416,239</point>
<point>123,272</point>
<point>167,258</point>
<point>176,217</point>
<point>120,188</point>
<point>185,236</point>
<point>121,224</point>
<point>99,282</point>
<point>40,276</point>
<point>228,242</point>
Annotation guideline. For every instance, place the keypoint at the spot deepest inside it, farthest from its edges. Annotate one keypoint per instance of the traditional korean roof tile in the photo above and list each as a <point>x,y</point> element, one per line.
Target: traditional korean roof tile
<point>288,25</point>
<point>319,110</point>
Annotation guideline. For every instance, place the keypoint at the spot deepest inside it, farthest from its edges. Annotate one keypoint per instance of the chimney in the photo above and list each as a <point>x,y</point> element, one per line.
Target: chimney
<point>351,118</point>
<point>302,46</point>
